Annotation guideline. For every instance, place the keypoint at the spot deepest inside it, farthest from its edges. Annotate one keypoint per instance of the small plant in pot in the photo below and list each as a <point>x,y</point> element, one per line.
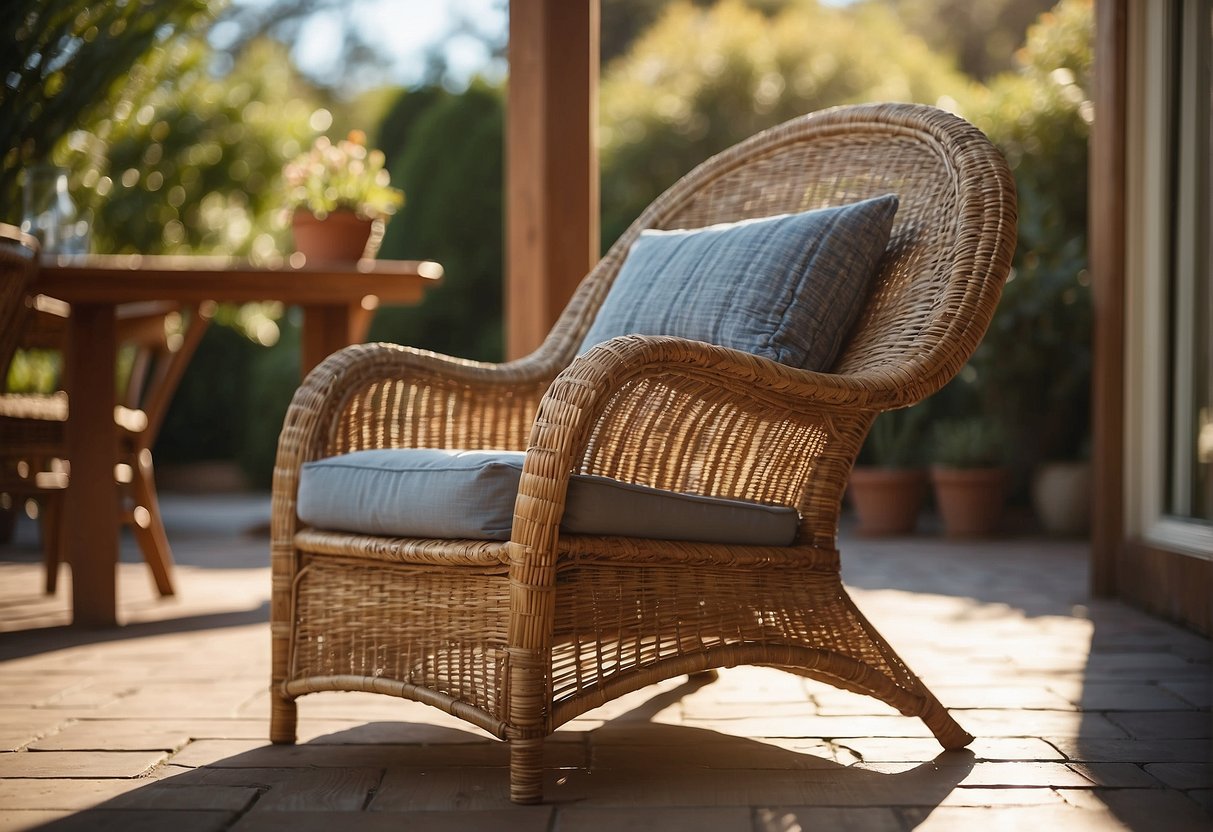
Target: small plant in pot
<point>340,194</point>
<point>889,483</point>
<point>969,475</point>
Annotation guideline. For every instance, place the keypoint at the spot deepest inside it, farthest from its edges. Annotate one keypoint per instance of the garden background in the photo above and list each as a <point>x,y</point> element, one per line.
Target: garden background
<point>176,117</point>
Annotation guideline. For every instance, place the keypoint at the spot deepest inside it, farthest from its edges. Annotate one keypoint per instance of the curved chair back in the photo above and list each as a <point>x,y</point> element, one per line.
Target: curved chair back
<point>948,256</point>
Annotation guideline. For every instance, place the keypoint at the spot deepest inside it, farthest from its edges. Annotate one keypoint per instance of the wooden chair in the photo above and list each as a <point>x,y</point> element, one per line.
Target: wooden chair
<point>520,636</point>
<point>32,456</point>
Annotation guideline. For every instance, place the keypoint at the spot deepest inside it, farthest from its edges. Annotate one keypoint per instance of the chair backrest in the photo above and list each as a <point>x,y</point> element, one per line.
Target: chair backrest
<point>18,267</point>
<point>34,321</point>
<point>160,357</point>
<point>948,256</point>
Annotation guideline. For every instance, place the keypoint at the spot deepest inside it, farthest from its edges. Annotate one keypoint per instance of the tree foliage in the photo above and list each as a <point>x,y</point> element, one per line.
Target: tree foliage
<point>703,78</point>
<point>187,161</point>
<point>981,36</point>
<point>1033,368</point>
<point>60,61</point>
<point>452,170</point>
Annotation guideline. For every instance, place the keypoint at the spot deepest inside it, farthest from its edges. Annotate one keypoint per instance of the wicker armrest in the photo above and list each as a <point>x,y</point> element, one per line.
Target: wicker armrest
<point>687,416</point>
<point>385,395</point>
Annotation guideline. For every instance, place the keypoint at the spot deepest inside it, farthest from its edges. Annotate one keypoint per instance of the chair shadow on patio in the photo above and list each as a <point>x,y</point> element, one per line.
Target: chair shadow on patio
<point>383,769</point>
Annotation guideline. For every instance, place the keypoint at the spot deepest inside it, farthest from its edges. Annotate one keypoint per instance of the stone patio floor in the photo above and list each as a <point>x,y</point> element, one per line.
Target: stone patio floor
<point>1089,714</point>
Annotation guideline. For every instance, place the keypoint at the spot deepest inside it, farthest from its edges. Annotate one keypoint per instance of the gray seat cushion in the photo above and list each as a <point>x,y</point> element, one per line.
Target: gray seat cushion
<point>788,288</point>
<point>425,492</point>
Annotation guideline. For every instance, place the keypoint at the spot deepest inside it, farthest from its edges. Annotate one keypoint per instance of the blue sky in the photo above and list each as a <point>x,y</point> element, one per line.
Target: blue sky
<point>402,31</point>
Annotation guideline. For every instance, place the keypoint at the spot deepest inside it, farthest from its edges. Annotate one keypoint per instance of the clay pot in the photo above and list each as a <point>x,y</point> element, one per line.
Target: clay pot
<point>1061,497</point>
<point>340,237</point>
<point>970,500</point>
<point>887,501</point>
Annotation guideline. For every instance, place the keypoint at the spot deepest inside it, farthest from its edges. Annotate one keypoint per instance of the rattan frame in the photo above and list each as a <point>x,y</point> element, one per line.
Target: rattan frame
<point>518,637</point>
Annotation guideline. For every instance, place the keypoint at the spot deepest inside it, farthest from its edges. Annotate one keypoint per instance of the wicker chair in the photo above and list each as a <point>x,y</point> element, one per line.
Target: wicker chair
<point>32,438</point>
<point>519,637</point>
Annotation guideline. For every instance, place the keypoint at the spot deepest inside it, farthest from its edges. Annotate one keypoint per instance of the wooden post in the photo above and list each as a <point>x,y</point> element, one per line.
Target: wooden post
<point>551,163</point>
<point>1107,253</point>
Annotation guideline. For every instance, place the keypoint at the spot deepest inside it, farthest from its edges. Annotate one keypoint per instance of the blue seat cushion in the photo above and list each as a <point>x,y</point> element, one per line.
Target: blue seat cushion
<point>427,492</point>
<point>788,288</point>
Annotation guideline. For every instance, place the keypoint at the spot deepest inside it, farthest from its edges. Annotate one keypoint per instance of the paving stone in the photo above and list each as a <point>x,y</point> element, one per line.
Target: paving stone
<point>63,794</point>
<point>739,754</point>
<point>1043,775</point>
<point>21,726</point>
<point>1145,808</point>
<point>36,691</point>
<point>27,820</point>
<point>1196,692</point>
<point>1012,819</point>
<point>511,819</point>
<point>338,732</point>
<point>425,790</point>
<point>700,708</point>
<point>219,700</point>
<point>1038,698</point>
<point>1117,775</point>
<point>808,818</point>
<point>1002,796</point>
<point>1012,655</point>
<point>229,753</point>
<point>1153,667</point>
<point>341,789</point>
<point>904,749</point>
<point>260,754</point>
<point>1050,724</point>
<point>578,819</point>
<point>123,820</point>
<point>167,795</point>
<point>1088,749</point>
<point>1183,775</point>
<point>851,787</point>
<point>1119,696</point>
<point>58,764</point>
<point>824,727</point>
<point>125,735</point>
<point>1164,724</point>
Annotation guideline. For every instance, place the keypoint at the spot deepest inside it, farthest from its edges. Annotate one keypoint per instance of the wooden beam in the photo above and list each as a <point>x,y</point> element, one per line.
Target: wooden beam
<point>551,163</point>
<point>1107,256</point>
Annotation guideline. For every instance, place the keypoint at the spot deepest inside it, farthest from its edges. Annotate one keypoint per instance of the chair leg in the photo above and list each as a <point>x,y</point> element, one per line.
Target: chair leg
<point>283,720</point>
<point>946,729</point>
<point>8,522</point>
<point>526,770</point>
<point>51,525</point>
<point>148,525</point>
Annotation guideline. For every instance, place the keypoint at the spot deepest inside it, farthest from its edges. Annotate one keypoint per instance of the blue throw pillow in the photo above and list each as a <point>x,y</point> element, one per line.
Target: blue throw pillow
<point>788,288</point>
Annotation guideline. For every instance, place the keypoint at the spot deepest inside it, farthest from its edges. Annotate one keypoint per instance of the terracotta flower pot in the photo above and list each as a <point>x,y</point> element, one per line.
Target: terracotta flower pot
<point>887,501</point>
<point>970,500</point>
<point>340,237</point>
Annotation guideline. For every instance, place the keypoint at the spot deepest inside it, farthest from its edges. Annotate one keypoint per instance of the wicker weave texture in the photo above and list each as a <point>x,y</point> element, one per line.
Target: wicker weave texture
<point>522,636</point>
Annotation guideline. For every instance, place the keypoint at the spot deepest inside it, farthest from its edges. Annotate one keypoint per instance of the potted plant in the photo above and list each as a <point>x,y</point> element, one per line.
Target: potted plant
<point>1061,494</point>
<point>969,475</point>
<point>338,193</point>
<point>889,482</point>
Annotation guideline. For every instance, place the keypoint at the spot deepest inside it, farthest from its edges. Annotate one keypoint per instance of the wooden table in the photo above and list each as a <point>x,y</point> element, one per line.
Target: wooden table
<point>337,300</point>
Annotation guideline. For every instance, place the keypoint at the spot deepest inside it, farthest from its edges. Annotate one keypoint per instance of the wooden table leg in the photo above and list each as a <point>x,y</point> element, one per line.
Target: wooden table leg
<point>327,329</point>
<point>90,521</point>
